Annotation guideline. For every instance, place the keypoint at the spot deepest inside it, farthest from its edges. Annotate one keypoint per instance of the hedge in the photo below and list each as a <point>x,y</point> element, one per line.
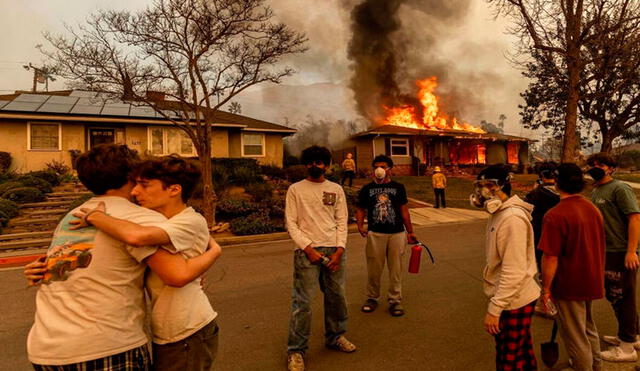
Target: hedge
<point>256,223</point>
<point>4,220</point>
<point>231,208</point>
<point>10,208</point>
<point>260,191</point>
<point>273,172</point>
<point>5,161</point>
<point>12,184</point>
<point>296,173</point>
<point>24,195</point>
<point>50,176</point>
<point>32,181</point>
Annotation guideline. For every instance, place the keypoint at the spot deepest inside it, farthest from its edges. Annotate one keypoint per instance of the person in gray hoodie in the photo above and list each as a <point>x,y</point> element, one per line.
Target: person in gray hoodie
<point>509,277</point>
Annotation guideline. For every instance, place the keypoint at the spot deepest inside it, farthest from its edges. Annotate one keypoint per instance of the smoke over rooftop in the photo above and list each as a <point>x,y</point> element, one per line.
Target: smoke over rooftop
<point>394,43</point>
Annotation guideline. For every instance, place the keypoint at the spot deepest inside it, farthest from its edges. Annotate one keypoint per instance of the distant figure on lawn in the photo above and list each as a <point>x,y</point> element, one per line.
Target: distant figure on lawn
<point>439,183</point>
<point>348,170</point>
<point>384,202</point>
<point>316,217</point>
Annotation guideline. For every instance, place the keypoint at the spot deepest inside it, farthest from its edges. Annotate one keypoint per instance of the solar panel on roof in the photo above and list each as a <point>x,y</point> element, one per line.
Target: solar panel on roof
<point>142,111</point>
<point>88,106</point>
<point>116,109</point>
<point>34,98</point>
<point>57,104</point>
<point>83,94</point>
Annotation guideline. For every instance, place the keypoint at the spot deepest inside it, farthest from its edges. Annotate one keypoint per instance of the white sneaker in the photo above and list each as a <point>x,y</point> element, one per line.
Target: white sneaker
<point>295,362</point>
<point>615,354</point>
<point>614,340</point>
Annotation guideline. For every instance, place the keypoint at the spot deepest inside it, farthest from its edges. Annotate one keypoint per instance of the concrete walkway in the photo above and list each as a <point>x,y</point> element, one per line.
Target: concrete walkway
<point>426,216</point>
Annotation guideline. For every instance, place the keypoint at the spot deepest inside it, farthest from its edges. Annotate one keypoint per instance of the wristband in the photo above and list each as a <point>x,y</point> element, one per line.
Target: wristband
<point>85,218</point>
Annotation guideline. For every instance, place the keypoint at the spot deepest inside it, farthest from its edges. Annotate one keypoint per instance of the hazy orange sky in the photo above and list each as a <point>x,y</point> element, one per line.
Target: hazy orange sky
<point>475,47</point>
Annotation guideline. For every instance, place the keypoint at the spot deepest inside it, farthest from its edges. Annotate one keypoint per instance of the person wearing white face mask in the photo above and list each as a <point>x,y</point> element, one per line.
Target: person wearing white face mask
<point>509,277</point>
<point>384,202</point>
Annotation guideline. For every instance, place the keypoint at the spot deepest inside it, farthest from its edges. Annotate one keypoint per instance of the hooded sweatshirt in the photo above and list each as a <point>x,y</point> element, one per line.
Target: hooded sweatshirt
<point>511,264</point>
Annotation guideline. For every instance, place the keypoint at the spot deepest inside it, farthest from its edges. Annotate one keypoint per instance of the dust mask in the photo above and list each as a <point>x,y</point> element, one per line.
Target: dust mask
<point>380,173</point>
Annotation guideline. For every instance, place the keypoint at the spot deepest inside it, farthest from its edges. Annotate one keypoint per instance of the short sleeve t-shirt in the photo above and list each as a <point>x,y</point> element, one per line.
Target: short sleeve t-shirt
<point>92,305</point>
<point>616,201</point>
<point>574,232</point>
<point>178,312</point>
<point>383,203</point>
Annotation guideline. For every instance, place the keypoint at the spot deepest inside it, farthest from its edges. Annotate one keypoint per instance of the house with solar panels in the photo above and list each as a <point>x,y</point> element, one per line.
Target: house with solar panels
<point>36,128</point>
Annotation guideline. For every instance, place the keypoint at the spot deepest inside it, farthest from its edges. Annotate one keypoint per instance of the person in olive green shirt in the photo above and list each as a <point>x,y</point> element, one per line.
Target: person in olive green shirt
<point>619,207</point>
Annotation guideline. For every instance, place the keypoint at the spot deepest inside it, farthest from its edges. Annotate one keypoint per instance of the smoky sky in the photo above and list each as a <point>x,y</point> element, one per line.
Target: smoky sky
<point>396,42</point>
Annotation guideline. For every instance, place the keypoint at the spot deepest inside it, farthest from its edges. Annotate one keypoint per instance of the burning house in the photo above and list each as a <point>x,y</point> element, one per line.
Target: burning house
<point>418,136</point>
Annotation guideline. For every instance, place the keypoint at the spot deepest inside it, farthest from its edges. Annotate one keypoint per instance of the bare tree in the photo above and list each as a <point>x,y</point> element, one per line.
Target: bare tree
<point>610,82</point>
<point>199,53</point>
<point>558,32</point>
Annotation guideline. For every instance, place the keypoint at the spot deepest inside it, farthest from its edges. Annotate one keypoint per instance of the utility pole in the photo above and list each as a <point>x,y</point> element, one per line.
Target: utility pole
<point>41,75</point>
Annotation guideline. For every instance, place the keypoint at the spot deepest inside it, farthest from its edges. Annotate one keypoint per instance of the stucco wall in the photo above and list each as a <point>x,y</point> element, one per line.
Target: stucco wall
<point>364,153</point>
<point>274,151</point>
<point>496,153</point>
<point>220,143</point>
<point>136,137</point>
<point>13,139</point>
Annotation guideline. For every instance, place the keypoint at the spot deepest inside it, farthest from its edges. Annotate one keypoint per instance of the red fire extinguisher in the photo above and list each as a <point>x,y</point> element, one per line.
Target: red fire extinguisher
<point>416,251</point>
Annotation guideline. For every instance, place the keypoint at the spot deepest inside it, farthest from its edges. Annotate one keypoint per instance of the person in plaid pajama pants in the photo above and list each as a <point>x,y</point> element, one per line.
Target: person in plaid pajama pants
<point>514,345</point>
<point>509,276</point>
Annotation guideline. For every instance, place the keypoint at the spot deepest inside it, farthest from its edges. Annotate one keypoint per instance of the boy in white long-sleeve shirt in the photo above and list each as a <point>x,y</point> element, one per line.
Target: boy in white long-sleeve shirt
<point>316,217</point>
<point>511,267</point>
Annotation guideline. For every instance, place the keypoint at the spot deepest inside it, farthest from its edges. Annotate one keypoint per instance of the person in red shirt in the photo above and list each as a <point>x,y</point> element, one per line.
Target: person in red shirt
<point>573,244</point>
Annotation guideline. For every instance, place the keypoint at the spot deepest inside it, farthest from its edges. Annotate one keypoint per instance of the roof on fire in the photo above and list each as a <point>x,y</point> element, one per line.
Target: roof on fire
<point>404,131</point>
<point>85,104</point>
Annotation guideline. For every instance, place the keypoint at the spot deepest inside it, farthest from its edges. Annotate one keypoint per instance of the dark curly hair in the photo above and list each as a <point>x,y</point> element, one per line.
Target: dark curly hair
<point>382,158</point>
<point>569,178</point>
<point>602,158</point>
<point>172,170</point>
<point>316,154</point>
<point>106,167</point>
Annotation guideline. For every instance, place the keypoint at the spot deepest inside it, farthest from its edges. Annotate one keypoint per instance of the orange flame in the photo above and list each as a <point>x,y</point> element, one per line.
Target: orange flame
<point>432,118</point>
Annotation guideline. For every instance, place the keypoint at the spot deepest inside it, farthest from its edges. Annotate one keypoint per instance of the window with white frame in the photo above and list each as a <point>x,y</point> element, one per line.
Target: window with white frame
<point>166,141</point>
<point>44,136</point>
<point>399,147</point>
<point>252,144</point>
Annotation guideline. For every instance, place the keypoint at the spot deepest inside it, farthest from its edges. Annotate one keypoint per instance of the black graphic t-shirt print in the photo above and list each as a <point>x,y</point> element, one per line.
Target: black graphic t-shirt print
<point>383,203</point>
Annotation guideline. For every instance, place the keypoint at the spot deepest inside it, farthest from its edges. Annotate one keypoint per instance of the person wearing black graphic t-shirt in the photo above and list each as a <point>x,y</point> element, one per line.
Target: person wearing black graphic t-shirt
<point>384,202</point>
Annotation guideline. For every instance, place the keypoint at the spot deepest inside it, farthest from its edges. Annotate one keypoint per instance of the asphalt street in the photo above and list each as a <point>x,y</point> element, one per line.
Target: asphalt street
<point>250,288</point>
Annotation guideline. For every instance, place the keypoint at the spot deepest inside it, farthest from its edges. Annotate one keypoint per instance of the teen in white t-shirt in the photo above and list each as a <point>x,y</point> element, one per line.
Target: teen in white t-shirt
<point>179,315</point>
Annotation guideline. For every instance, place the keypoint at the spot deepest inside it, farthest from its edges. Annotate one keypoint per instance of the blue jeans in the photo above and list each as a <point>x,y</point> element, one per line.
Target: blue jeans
<point>332,284</point>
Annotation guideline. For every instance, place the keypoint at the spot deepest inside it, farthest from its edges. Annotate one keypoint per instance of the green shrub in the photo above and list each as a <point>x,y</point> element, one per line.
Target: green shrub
<point>58,167</point>
<point>256,223</point>
<point>245,175</point>
<point>351,196</point>
<point>5,161</point>
<point>273,172</point>
<point>296,173</point>
<point>6,176</point>
<point>31,181</point>
<point>334,173</point>
<point>4,220</point>
<point>291,161</point>
<point>259,191</point>
<point>9,208</point>
<point>231,208</point>
<point>275,207</point>
<point>48,175</point>
<point>24,195</point>
<point>12,184</point>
